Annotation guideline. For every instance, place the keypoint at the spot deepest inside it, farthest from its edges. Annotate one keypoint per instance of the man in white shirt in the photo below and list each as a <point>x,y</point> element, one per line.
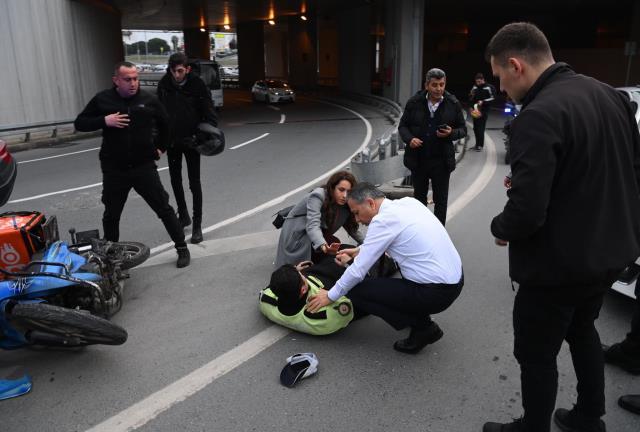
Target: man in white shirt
<point>429,263</point>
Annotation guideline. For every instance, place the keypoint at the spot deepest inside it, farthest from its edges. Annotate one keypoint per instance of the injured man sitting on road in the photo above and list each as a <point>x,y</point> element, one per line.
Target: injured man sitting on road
<point>284,300</point>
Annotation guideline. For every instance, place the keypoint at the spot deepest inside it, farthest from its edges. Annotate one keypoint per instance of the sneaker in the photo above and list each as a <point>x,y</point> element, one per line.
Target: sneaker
<point>514,426</point>
<point>617,355</point>
<point>419,338</point>
<point>184,218</point>
<point>573,421</point>
<point>184,257</point>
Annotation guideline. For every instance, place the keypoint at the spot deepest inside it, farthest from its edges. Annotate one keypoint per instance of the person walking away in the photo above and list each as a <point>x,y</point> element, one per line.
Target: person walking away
<point>134,133</point>
<point>431,121</point>
<point>188,103</point>
<point>481,96</point>
<point>574,138</point>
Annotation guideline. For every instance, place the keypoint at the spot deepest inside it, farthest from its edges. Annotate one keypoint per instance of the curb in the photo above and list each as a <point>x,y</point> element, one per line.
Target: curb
<point>50,142</point>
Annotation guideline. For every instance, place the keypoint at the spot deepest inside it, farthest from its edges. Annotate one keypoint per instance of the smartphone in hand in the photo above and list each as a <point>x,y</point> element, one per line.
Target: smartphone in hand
<point>443,126</point>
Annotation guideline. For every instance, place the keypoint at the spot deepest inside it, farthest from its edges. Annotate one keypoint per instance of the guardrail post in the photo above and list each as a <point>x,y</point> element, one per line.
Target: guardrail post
<point>54,133</point>
<point>394,143</point>
<point>27,136</point>
<point>382,152</point>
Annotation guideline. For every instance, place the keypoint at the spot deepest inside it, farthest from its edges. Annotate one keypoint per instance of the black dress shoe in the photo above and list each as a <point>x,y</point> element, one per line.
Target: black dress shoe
<point>514,426</point>
<point>630,403</point>
<point>573,421</point>
<point>418,339</point>
<point>184,257</point>
<point>616,355</point>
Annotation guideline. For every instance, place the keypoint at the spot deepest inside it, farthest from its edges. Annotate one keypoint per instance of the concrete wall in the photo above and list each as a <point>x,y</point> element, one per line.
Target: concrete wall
<point>303,53</point>
<point>251,61</point>
<point>57,55</point>
<point>276,52</point>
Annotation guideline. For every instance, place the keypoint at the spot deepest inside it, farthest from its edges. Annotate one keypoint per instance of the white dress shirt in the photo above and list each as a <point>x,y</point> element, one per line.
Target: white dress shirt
<point>408,231</point>
<point>433,106</point>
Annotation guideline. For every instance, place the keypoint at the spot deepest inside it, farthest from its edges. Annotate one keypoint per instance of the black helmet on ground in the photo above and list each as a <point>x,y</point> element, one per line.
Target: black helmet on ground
<point>209,140</point>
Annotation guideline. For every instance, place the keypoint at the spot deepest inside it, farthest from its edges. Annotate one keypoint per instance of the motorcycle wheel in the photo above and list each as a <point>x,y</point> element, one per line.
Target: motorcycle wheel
<point>132,254</point>
<point>71,326</point>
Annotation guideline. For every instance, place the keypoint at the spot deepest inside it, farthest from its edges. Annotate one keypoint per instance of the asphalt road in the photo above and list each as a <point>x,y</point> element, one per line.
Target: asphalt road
<point>187,364</point>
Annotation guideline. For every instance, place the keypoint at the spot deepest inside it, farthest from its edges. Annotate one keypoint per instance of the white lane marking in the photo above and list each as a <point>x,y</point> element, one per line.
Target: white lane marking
<point>275,108</point>
<point>58,156</point>
<point>281,198</point>
<point>488,170</point>
<point>249,142</point>
<point>149,408</point>
<point>63,191</point>
<point>282,118</point>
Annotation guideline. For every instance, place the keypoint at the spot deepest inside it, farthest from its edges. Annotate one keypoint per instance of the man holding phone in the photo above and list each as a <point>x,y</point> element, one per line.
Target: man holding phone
<point>431,121</point>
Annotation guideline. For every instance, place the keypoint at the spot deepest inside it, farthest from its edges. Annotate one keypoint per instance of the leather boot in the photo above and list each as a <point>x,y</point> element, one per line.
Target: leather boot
<point>196,232</point>
<point>184,257</point>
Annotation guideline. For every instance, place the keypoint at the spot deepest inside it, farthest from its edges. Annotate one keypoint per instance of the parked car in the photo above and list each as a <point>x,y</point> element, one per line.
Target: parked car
<point>229,71</point>
<point>272,91</point>
<point>627,280</point>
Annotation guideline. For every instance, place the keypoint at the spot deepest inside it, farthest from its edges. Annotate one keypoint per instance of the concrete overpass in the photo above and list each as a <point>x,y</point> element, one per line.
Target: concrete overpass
<point>58,53</point>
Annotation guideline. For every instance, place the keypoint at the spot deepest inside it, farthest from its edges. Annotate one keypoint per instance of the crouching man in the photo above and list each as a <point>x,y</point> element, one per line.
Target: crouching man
<point>284,300</point>
<point>429,263</point>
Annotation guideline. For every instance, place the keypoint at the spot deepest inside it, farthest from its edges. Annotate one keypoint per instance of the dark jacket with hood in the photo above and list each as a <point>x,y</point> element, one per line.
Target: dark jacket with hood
<point>415,123</point>
<point>187,105</point>
<point>135,144</point>
<point>573,214</point>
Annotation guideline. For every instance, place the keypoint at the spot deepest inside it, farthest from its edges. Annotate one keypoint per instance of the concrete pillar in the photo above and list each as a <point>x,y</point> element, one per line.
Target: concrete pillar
<point>196,41</point>
<point>276,49</point>
<point>57,55</point>
<point>251,65</point>
<point>303,53</point>
<point>328,51</point>
<point>355,50</point>
<point>404,36</point>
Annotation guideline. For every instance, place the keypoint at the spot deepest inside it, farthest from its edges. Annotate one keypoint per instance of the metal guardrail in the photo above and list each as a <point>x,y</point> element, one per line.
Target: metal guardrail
<point>33,127</point>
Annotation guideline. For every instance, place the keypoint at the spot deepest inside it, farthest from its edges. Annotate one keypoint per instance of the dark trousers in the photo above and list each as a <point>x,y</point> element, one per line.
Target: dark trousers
<point>479,125</point>
<point>193,172</point>
<point>541,322</point>
<point>145,180</point>
<point>438,172</point>
<point>401,302</point>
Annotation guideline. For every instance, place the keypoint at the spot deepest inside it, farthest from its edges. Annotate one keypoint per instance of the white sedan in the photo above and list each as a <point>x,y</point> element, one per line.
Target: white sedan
<point>626,282</point>
<point>272,91</point>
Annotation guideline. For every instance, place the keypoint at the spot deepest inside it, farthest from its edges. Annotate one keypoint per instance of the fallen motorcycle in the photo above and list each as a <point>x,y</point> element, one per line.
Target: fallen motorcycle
<point>65,298</point>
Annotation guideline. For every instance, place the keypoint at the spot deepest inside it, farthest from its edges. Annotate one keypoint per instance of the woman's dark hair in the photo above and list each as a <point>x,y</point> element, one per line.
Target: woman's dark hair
<point>328,206</point>
<point>522,39</point>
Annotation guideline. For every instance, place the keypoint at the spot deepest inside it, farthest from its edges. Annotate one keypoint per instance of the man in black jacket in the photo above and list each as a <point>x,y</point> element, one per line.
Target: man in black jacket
<point>575,138</point>
<point>134,133</point>
<point>188,102</point>
<point>480,97</point>
<point>431,121</point>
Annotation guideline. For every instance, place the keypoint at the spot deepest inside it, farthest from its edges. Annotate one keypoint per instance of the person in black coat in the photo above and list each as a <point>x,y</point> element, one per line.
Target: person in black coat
<point>574,139</point>
<point>134,134</point>
<point>188,102</point>
<point>481,96</point>
<point>431,121</point>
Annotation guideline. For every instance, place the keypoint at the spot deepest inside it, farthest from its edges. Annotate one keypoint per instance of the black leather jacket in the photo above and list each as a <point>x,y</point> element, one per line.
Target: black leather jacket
<point>131,146</point>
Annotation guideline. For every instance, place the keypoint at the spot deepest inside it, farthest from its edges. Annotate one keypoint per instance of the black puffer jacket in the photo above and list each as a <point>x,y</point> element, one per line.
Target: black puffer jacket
<point>187,105</point>
<point>414,124</point>
<point>135,144</point>
<point>573,214</point>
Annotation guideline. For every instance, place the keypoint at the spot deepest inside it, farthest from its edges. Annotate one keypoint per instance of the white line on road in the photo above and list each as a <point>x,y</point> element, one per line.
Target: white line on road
<point>249,142</point>
<point>152,406</point>
<point>275,108</point>
<point>281,198</point>
<point>282,118</point>
<point>488,170</point>
<point>63,191</point>
<point>59,156</point>
<point>149,408</point>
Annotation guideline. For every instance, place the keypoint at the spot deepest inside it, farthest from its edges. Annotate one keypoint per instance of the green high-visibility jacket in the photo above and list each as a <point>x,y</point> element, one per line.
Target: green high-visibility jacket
<point>327,320</point>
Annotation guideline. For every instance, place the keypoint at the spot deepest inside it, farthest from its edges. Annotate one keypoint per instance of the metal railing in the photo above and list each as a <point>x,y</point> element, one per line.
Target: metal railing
<point>28,128</point>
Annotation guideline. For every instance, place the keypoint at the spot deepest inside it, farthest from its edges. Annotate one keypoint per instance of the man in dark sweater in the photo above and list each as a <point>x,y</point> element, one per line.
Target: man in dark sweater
<point>134,134</point>
<point>431,121</point>
<point>188,103</point>
<point>481,96</point>
<point>575,138</point>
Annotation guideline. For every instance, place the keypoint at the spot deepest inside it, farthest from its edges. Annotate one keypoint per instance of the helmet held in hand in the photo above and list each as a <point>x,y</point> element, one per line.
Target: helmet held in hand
<point>209,140</point>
